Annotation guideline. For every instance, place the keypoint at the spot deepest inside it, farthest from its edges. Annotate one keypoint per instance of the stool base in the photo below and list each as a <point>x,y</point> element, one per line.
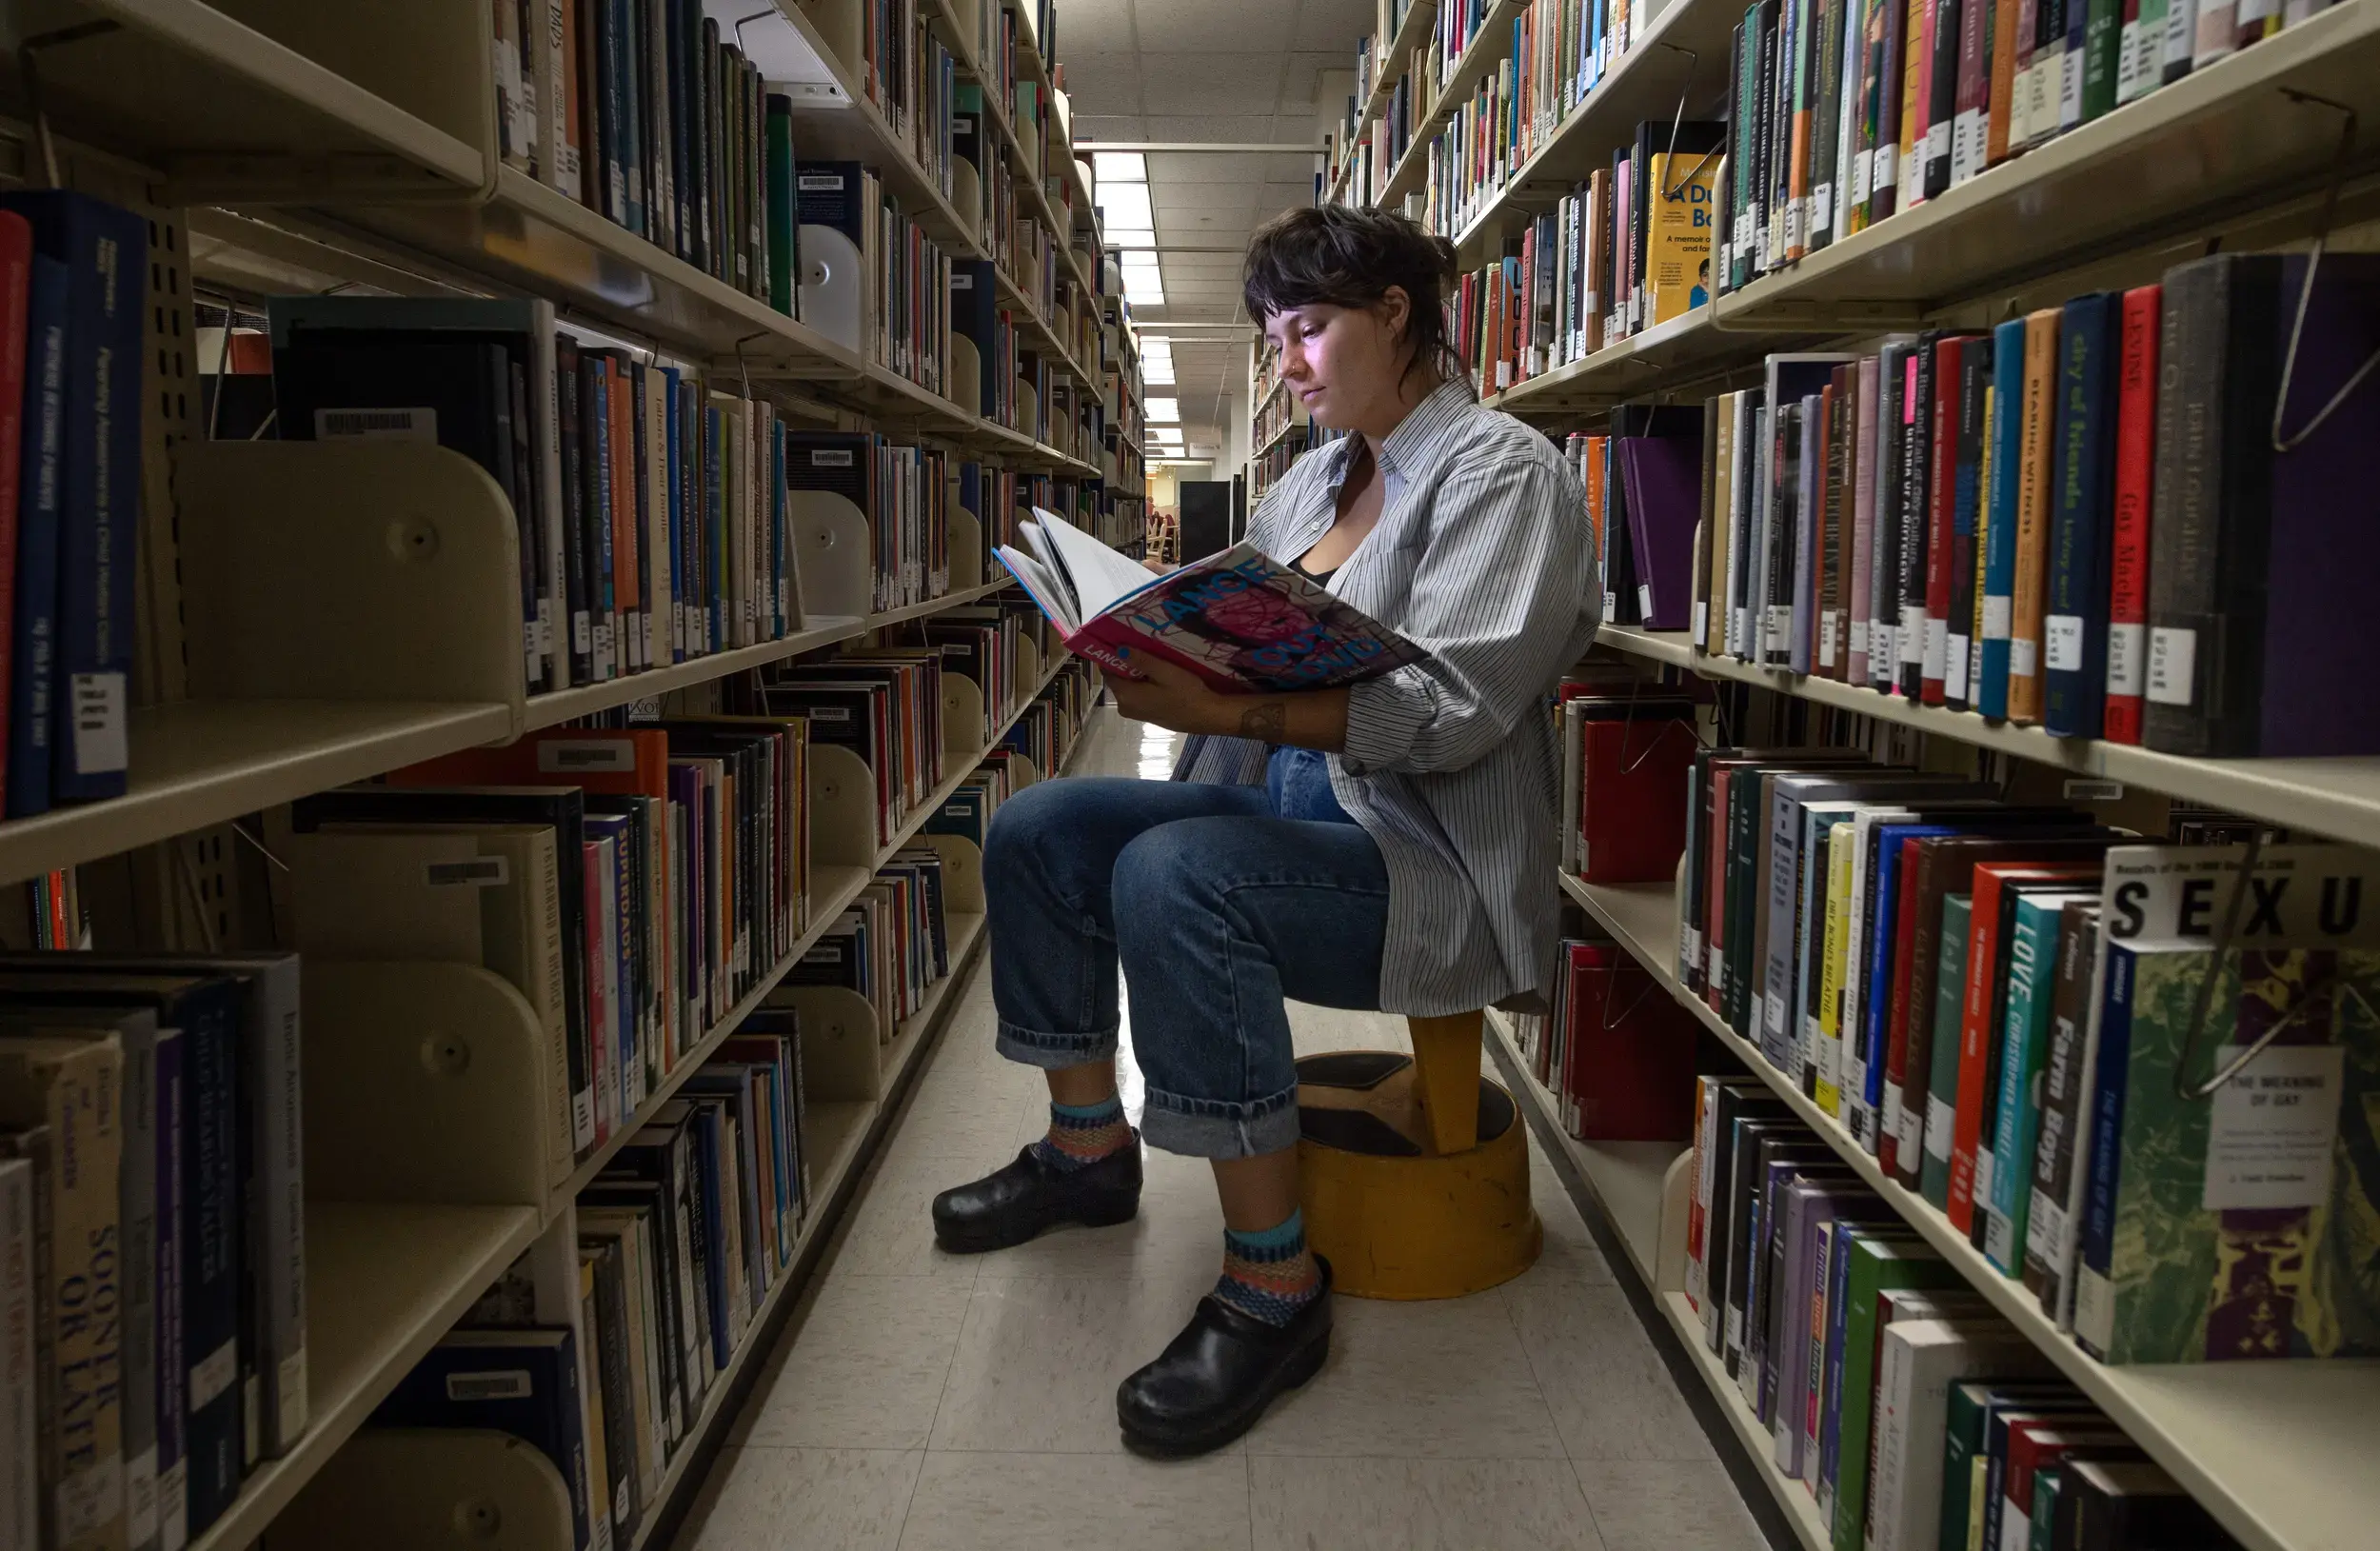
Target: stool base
<point>1397,1220</point>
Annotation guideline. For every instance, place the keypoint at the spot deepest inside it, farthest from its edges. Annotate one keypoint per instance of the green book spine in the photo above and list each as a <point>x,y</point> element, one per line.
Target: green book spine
<point>1950,991</point>
<point>2103,35</point>
<point>2032,969</point>
<point>1876,1266</point>
<point>784,251</point>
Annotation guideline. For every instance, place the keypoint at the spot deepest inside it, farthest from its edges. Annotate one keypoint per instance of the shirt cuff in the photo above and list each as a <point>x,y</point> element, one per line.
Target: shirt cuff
<point>1385,719</point>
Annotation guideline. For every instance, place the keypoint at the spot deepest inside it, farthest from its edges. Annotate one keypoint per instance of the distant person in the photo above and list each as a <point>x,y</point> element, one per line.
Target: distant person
<point>1388,847</point>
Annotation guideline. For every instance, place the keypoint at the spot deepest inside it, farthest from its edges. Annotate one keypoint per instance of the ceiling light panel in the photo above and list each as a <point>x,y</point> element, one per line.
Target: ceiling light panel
<point>1126,206</point>
<point>1119,166</point>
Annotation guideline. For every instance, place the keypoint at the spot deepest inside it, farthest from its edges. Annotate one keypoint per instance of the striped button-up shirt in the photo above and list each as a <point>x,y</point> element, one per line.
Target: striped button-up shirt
<point>1481,558</point>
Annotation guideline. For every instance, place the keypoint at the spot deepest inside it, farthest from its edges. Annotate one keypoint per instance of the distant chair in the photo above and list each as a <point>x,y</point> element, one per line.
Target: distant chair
<point>1415,1168</point>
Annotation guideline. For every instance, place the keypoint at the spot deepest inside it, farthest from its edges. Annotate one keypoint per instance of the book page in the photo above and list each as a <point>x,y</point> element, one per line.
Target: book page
<point>1101,577</point>
<point>1049,589</point>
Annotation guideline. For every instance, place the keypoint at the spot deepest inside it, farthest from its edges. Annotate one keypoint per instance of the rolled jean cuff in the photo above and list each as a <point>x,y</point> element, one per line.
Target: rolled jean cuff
<point>1220,1128</point>
<point>1052,1052</point>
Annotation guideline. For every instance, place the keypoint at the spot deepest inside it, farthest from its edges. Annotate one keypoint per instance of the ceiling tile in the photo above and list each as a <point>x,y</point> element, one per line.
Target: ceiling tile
<point>1104,83</point>
<point>1215,26</point>
<point>1092,26</point>
<point>1095,127</point>
<point>1321,24</point>
<point>1211,83</point>
<point>1230,129</point>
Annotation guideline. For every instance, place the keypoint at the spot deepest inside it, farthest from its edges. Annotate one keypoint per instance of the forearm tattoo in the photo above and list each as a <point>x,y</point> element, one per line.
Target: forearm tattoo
<point>1265,721</point>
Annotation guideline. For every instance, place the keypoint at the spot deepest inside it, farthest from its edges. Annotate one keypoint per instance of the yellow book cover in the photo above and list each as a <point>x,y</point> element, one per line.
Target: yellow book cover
<point>2032,517</point>
<point>1685,212</point>
<point>1835,949</point>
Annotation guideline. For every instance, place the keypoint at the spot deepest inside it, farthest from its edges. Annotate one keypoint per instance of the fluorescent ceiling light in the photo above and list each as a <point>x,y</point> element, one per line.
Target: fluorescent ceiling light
<point>1157,373</point>
<point>1139,237</point>
<point>1126,206</point>
<point>1145,291</point>
<point>1166,433</point>
<point>1157,346</point>
<point>1165,410</point>
<point>1121,166</point>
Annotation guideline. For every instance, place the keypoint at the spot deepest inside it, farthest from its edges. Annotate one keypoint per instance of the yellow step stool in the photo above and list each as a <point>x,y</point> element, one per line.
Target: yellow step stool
<point>1414,1169</point>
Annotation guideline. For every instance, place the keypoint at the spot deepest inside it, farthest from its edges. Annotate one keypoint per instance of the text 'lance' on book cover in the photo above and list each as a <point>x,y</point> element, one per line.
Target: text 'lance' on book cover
<point>1238,620</point>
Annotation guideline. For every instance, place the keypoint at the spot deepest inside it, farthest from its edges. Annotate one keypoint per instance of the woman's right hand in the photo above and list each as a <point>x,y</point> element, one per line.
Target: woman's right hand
<point>1159,567</point>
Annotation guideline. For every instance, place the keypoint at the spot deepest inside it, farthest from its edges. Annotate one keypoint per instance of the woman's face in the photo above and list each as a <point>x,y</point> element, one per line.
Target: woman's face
<point>1342,363</point>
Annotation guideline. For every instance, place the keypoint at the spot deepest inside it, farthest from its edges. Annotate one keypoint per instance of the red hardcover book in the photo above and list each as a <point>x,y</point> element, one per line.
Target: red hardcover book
<point>1978,1014</point>
<point>1941,513</point>
<point>1628,1054</point>
<point>16,267</point>
<point>1896,1014</point>
<point>2135,471</point>
<point>1632,793</point>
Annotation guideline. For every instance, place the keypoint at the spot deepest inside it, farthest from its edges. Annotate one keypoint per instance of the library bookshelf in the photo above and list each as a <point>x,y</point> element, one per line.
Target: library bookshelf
<point>315,614</point>
<point>2265,147</point>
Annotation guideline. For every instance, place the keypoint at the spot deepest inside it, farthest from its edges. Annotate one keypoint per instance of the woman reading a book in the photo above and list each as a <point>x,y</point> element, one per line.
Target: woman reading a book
<point>1386,845</point>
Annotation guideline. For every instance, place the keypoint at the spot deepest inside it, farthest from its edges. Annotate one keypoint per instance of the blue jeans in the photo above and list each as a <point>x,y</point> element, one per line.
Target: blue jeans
<point>1217,909</point>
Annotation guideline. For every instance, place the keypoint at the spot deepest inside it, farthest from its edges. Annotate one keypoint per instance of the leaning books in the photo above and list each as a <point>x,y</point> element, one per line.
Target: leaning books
<point>1238,620</point>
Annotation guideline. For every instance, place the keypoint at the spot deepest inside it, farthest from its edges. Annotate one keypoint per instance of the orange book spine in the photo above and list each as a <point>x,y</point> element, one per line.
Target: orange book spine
<point>2033,460</point>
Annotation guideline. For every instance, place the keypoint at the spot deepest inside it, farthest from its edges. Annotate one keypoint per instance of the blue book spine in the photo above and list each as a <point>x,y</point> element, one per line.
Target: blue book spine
<point>2032,968</point>
<point>2075,630</point>
<point>608,640</point>
<point>611,127</point>
<point>34,671</point>
<point>211,1250</point>
<point>1831,1404</point>
<point>1999,554</point>
<point>1876,1008</point>
<point>629,54</point>
<point>2097,1249</point>
<point>528,1388</point>
<point>714,528</point>
<point>173,1472</point>
<point>105,253</point>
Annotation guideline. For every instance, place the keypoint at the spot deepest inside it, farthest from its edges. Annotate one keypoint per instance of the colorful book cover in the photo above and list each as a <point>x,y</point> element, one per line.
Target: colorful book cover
<point>1238,620</point>
<point>2228,1228</point>
<point>2024,1045</point>
<point>2006,440</point>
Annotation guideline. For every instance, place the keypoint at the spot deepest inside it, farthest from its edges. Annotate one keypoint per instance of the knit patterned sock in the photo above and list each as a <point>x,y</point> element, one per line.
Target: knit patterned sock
<point>1269,1275</point>
<point>1083,1134</point>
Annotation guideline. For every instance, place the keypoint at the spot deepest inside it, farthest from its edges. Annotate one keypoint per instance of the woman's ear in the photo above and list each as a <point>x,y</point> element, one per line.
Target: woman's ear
<point>1394,310</point>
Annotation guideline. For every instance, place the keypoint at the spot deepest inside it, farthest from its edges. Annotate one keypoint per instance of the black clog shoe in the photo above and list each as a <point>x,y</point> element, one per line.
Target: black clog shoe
<point>1215,1380</point>
<point>1028,1197</point>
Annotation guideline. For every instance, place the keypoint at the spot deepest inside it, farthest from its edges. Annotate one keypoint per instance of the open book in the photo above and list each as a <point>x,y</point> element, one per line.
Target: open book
<point>1238,620</point>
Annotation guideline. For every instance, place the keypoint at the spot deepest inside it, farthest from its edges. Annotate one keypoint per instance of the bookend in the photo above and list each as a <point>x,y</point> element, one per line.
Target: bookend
<point>967,362</point>
<point>1413,1169</point>
<point>831,569</point>
<point>425,1082</point>
<point>842,812</point>
<point>966,197</point>
<point>965,722</point>
<point>841,1043</point>
<point>1028,409</point>
<point>430,1489</point>
<point>966,551</point>
<point>361,571</point>
<point>1677,1189</point>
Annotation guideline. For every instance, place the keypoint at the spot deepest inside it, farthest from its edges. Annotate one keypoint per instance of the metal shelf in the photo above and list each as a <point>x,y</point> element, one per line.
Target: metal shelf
<point>226,111</point>
<point>1486,50</point>
<point>1686,44</point>
<point>1415,29</point>
<point>2339,798</point>
<point>2276,1451</point>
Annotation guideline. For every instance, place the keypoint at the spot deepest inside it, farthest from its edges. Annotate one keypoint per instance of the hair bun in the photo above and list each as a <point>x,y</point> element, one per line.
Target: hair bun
<point>1341,255</point>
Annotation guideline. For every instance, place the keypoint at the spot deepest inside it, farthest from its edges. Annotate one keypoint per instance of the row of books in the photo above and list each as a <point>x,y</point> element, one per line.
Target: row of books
<point>153,1241</point>
<point>1915,1416</point>
<point>632,884</point>
<point>1558,51</point>
<point>71,301</point>
<point>2078,520</point>
<point>912,80</point>
<point>1841,113</point>
<point>904,304</point>
<point>1616,1054</point>
<point>884,704</point>
<point>1995,1000</point>
<point>606,1364</point>
<point>649,503</point>
<point>1623,250</point>
<point>1045,734</point>
<point>609,1368</point>
<point>643,111</point>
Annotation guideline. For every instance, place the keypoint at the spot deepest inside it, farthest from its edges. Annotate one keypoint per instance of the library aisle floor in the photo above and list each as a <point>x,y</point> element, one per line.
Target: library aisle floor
<point>933,1403</point>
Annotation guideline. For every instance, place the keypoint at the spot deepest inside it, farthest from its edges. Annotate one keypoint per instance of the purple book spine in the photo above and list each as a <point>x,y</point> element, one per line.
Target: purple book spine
<point>2319,695</point>
<point>1664,481</point>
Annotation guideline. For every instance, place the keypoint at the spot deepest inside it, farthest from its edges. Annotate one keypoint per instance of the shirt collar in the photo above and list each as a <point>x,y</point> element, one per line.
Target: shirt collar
<point>1415,443</point>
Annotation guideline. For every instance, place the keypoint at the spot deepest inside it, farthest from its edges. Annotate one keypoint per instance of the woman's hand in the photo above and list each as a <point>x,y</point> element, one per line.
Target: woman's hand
<point>1179,700</point>
<point>1172,697</point>
<point>1159,567</point>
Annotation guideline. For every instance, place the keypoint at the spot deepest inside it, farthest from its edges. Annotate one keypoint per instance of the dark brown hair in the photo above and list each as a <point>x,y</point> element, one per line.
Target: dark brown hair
<point>1344,256</point>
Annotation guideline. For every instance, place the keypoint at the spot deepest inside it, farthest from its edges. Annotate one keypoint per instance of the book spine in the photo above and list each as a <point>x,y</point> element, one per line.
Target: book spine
<point>2185,526</point>
<point>1942,113</point>
<point>1975,1040</point>
<point>2000,502</point>
<point>2036,459</point>
<point>1950,996</point>
<point>2002,94</point>
<point>2031,950</point>
<point>2047,1243</point>
<point>1967,488</point>
<point>108,260</point>
<point>2094,1294</point>
<point>171,1301</point>
<point>2136,460</point>
<point>211,1274</point>
<point>1950,377</point>
<point>1893,399</point>
<point>20,1407</point>
<point>1863,521</point>
<point>2075,626</point>
<point>1915,519</point>
<point>32,667</point>
<point>137,1217</point>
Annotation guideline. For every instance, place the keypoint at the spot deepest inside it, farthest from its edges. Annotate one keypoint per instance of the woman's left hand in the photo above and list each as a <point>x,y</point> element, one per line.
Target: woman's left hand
<point>1172,697</point>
